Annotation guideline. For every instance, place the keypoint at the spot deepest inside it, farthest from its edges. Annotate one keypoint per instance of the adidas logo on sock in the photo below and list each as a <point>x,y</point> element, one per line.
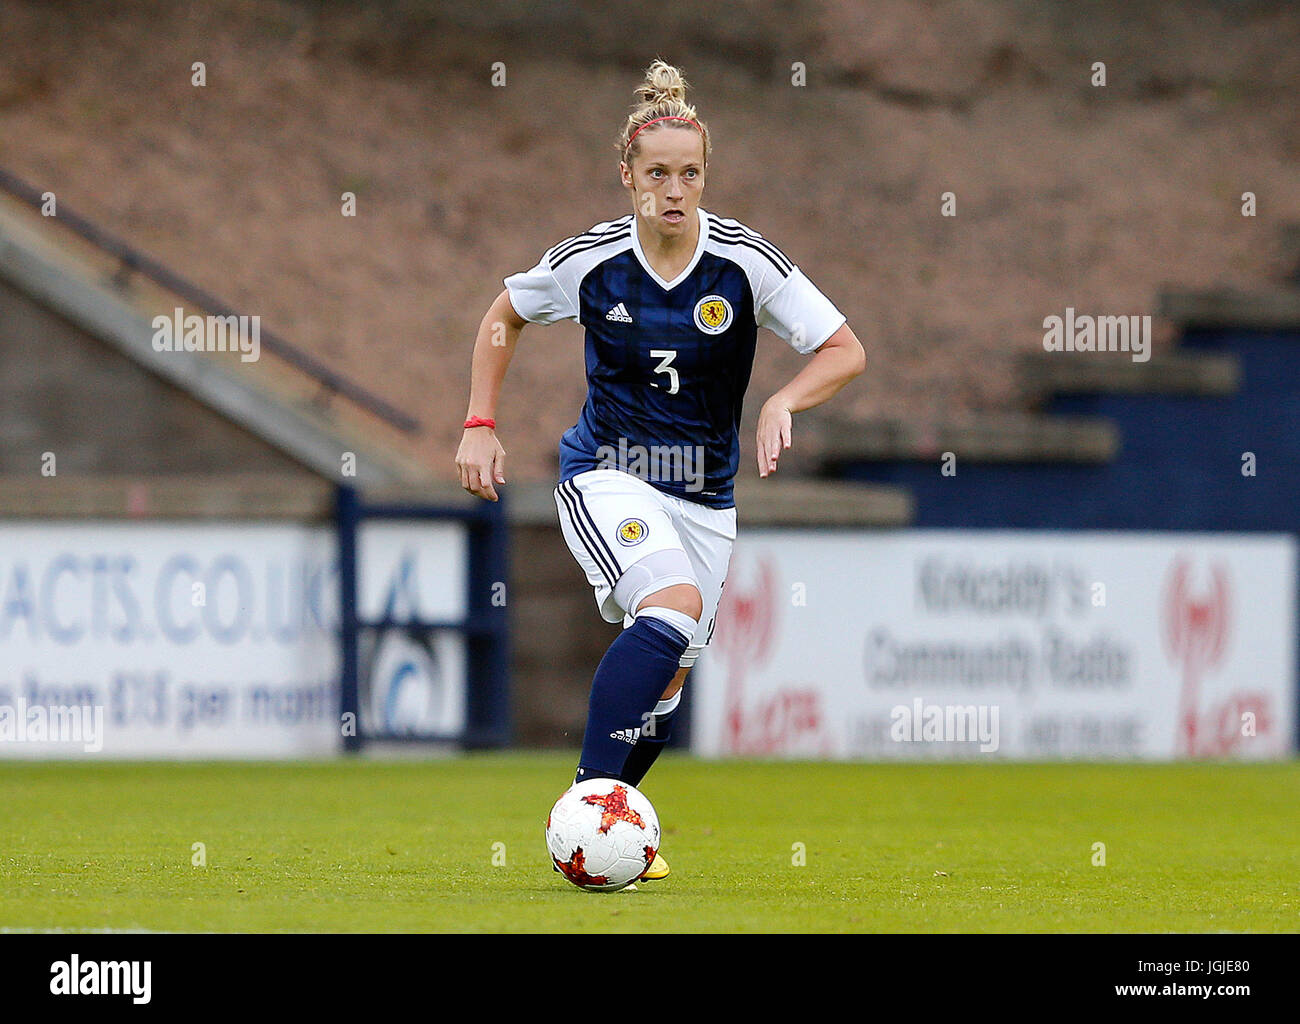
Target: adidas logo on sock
<point>620,314</point>
<point>626,735</point>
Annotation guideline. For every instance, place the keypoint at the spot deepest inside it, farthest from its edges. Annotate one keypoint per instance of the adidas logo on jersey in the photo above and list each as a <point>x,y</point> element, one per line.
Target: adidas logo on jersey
<point>619,314</point>
<point>626,735</point>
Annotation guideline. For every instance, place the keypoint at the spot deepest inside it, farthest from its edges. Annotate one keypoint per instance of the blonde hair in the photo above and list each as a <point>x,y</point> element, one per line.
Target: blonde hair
<point>662,94</point>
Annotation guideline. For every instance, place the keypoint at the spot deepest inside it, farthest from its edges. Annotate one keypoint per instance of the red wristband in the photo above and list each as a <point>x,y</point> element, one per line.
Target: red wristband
<point>480,421</point>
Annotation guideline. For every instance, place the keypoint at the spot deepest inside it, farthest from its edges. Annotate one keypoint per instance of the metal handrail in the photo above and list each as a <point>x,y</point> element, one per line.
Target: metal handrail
<point>133,260</point>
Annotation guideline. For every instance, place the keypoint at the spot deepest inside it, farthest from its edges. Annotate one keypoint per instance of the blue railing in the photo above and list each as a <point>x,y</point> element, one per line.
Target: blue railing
<point>132,260</point>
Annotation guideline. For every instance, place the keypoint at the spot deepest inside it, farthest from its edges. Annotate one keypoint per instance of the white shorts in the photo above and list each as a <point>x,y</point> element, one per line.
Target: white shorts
<point>611,520</point>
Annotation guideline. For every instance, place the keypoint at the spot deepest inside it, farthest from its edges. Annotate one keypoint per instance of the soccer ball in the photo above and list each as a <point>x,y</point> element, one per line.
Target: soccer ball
<point>602,834</point>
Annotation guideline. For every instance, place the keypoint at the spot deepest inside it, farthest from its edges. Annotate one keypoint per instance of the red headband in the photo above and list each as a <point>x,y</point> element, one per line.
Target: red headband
<point>670,117</point>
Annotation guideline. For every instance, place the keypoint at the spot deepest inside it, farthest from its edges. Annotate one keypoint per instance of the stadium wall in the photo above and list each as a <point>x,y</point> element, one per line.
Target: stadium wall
<point>1180,466</point>
<point>65,391</point>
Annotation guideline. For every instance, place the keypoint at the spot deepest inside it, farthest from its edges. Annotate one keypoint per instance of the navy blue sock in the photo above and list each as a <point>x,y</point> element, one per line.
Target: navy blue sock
<point>654,737</point>
<point>635,670</point>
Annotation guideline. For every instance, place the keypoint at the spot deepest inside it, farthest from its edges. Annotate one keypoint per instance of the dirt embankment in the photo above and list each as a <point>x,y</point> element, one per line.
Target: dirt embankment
<point>1066,194</point>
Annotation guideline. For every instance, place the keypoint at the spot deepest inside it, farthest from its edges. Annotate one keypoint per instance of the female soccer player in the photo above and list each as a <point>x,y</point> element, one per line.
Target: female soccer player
<point>671,297</point>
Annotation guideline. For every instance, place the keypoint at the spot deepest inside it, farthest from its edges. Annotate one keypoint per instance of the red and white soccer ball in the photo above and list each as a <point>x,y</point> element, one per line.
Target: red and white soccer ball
<point>602,834</point>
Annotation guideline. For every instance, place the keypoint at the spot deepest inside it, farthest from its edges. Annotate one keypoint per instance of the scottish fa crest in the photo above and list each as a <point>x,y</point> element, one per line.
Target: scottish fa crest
<point>713,314</point>
<point>631,532</point>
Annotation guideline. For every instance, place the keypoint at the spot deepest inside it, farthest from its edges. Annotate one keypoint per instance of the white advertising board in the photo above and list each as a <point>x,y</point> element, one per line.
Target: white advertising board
<point>965,644</point>
<point>204,640</point>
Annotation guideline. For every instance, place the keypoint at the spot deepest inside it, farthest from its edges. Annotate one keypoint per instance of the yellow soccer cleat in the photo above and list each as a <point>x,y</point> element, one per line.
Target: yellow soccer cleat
<point>658,869</point>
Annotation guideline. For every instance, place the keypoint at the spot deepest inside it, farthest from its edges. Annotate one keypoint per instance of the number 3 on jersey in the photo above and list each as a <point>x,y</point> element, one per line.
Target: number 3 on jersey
<point>665,357</point>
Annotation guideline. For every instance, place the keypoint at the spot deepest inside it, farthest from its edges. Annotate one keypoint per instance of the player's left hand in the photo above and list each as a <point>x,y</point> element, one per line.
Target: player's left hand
<point>774,424</point>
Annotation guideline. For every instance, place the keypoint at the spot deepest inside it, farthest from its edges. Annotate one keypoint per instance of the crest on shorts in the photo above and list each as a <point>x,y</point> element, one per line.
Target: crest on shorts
<point>713,314</point>
<point>632,531</point>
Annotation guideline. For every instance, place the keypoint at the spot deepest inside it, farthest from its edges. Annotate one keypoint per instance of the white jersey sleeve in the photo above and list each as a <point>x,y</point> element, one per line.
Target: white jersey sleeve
<point>785,301</point>
<point>797,312</point>
<point>549,292</point>
<point>538,296</point>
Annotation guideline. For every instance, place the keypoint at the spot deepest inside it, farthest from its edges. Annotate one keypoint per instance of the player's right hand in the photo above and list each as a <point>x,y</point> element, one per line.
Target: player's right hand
<point>481,460</point>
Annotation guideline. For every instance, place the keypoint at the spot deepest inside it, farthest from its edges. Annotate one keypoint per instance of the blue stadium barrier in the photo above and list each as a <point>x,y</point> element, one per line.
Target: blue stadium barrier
<point>485,627</point>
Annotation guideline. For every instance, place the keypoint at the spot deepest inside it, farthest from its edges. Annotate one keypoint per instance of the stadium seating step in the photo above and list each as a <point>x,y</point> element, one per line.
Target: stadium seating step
<point>1264,309</point>
<point>1180,373</point>
<point>990,437</point>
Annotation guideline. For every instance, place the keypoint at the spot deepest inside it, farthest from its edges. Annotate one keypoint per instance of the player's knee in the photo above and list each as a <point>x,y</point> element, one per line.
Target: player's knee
<point>675,686</point>
<point>681,597</point>
<point>664,578</point>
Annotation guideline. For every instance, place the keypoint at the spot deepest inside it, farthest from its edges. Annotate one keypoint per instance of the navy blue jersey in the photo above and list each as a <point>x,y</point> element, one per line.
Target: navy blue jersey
<point>668,362</point>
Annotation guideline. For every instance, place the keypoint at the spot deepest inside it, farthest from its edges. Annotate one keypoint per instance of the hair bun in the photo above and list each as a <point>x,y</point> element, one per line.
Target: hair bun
<point>661,95</point>
<point>662,82</point>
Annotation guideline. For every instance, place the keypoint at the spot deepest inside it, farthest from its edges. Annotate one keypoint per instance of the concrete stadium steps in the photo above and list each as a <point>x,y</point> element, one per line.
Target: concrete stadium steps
<point>997,437</point>
<point>190,496</point>
<point>821,503</point>
<point>776,501</point>
<point>1201,438</point>
<point>83,286</point>
<point>771,502</point>
<point>1181,373</point>
<point>1273,308</point>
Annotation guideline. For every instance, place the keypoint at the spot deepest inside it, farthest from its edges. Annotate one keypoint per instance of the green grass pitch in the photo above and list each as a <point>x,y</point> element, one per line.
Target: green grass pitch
<point>412,846</point>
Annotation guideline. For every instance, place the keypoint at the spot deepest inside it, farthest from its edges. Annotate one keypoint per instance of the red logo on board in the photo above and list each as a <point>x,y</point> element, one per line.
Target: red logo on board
<point>1197,629</point>
<point>747,626</point>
